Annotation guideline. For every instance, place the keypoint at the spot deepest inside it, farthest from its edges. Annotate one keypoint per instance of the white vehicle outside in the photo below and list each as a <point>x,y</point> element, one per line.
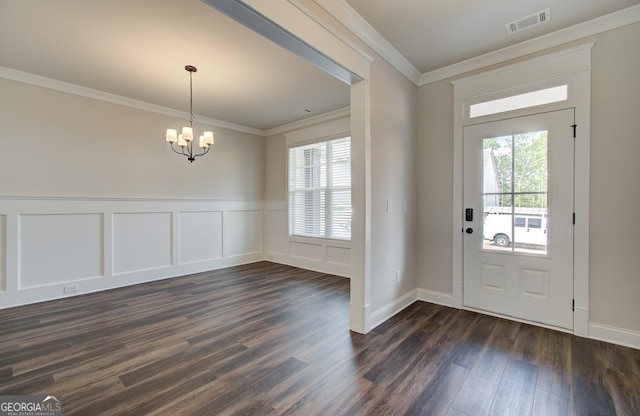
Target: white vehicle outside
<point>529,229</point>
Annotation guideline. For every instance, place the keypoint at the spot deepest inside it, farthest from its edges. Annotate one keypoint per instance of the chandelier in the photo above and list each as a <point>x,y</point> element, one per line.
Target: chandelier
<point>185,139</point>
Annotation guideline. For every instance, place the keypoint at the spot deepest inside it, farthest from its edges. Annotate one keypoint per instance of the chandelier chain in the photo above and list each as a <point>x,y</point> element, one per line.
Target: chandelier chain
<point>191,98</point>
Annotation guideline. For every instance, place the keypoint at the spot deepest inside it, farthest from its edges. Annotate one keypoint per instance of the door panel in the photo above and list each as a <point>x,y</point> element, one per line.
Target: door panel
<point>518,247</point>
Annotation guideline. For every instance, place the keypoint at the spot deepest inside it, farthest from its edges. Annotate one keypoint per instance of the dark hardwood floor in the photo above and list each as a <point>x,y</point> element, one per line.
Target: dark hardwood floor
<point>268,339</point>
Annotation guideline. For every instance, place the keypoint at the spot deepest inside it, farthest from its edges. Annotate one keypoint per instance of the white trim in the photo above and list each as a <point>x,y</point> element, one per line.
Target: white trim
<point>320,118</point>
<point>319,133</point>
<point>393,308</point>
<point>346,15</point>
<point>614,335</point>
<point>572,63</point>
<point>580,320</point>
<point>458,202</point>
<point>74,198</point>
<point>66,87</point>
<point>290,27</point>
<point>360,294</point>
<point>439,298</point>
<point>592,27</point>
<point>581,201</point>
<point>329,28</point>
<point>583,64</point>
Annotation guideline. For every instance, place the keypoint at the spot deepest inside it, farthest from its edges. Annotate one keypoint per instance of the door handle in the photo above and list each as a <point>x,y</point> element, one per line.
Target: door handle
<point>469,231</point>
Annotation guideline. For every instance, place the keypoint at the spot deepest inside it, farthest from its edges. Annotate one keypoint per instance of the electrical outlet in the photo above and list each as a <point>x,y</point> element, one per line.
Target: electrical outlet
<point>406,206</point>
<point>389,206</point>
<point>70,288</point>
<point>398,276</point>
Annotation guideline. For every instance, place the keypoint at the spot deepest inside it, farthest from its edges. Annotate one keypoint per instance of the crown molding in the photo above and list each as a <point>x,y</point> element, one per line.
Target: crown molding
<point>589,28</point>
<point>306,10</point>
<point>347,16</point>
<point>66,87</point>
<point>320,118</point>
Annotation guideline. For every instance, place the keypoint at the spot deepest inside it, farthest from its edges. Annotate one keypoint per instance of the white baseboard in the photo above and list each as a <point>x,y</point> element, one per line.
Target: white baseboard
<point>439,298</point>
<point>392,308</point>
<point>342,270</point>
<point>614,335</point>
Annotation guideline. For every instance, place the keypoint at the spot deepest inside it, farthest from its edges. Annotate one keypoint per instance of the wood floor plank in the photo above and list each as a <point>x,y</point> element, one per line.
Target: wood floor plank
<point>587,360</point>
<point>549,404</point>
<point>592,398</point>
<point>438,394</point>
<point>269,339</point>
<point>478,391</point>
<point>516,391</point>
<point>624,388</point>
<point>554,363</point>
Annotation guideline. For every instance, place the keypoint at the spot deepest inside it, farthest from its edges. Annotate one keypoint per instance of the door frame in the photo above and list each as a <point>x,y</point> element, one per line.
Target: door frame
<point>573,67</point>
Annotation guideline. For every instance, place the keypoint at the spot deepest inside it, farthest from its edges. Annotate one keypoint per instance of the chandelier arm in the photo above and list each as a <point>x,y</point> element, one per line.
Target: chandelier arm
<point>180,153</point>
<point>203,153</point>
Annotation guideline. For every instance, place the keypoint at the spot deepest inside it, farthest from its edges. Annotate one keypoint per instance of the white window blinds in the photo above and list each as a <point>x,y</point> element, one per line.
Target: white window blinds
<point>320,189</point>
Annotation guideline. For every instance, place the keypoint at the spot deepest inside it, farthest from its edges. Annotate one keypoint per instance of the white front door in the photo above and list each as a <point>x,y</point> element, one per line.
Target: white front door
<point>518,219</point>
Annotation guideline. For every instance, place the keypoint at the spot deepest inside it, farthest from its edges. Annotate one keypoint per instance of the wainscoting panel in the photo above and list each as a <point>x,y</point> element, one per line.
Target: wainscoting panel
<point>243,232</point>
<point>200,236</point>
<point>57,247</point>
<point>306,251</point>
<point>277,227</point>
<point>340,256</point>
<point>141,241</point>
<point>60,247</point>
<point>321,255</point>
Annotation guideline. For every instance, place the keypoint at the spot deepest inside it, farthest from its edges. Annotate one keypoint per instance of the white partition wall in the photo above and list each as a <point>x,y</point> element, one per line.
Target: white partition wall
<point>56,247</point>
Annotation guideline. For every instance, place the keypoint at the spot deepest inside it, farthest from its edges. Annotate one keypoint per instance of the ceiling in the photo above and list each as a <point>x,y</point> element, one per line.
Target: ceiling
<point>138,49</point>
<point>433,34</point>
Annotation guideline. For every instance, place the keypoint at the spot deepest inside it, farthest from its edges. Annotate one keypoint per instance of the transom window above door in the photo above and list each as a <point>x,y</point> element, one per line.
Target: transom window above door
<point>520,101</point>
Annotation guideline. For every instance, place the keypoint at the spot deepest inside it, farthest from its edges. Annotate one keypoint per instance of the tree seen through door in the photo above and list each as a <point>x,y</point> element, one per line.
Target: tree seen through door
<point>515,192</point>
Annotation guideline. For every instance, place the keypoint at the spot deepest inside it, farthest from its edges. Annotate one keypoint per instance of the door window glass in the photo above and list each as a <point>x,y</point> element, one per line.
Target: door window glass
<point>515,185</point>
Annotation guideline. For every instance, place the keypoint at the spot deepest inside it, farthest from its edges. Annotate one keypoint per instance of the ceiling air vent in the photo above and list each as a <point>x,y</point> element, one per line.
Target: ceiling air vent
<point>529,21</point>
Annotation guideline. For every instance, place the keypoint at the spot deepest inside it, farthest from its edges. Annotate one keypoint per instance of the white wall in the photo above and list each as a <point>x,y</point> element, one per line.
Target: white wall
<point>92,196</point>
<point>615,146</point>
<point>614,263</point>
<point>393,186</point>
<point>59,144</point>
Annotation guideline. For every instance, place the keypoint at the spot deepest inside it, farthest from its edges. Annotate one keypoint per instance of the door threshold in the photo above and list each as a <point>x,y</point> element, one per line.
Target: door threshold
<point>524,321</point>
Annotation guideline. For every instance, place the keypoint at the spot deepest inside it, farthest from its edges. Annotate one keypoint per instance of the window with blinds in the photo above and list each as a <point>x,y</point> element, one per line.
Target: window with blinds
<point>320,189</point>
